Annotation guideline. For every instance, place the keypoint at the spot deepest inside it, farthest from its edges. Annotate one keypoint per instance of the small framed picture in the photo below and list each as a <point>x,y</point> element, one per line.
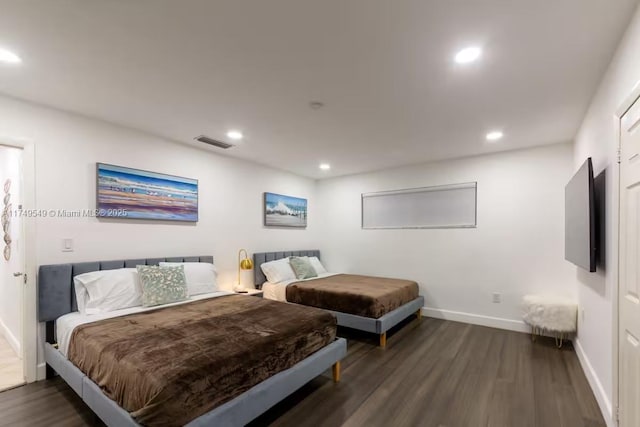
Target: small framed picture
<point>284,211</point>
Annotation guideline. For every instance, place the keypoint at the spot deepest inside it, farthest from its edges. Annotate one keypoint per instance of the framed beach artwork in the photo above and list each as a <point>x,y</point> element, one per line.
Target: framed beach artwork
<point>137,194</point>
<point>284,211</point>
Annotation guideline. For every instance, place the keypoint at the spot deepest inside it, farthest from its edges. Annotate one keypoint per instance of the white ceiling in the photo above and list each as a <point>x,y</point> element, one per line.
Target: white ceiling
<point>384,70</point>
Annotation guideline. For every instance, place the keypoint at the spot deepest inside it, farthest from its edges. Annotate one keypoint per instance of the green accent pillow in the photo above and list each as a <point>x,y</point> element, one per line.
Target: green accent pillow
<point>162,285</point>
<point>302,267</point>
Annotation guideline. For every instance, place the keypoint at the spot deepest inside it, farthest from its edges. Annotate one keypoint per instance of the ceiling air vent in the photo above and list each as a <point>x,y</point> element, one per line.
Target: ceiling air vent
<point>214,142</point>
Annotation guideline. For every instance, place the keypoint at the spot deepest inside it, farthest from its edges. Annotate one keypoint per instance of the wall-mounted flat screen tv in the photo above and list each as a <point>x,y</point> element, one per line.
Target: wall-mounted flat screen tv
<point>580,219</point>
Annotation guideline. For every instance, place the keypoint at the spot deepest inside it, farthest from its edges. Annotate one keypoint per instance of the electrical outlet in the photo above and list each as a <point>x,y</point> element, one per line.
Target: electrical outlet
<point>497,298</point>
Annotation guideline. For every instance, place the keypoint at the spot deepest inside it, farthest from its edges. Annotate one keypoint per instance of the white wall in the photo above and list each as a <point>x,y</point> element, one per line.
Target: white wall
<point>67,147</point>
<point>598,138</point>
<point>230,192</point>
<point>517,248</point>
<point>11,287</point>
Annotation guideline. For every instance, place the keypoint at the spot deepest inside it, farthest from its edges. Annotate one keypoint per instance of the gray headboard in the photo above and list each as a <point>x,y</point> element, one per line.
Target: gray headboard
<point>262,257</point>
<point>56,294</point>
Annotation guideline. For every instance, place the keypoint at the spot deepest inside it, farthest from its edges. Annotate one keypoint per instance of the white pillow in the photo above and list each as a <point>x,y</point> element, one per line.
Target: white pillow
<point>317,265</point>
<point>200,276</point>
<point>278,271</point>
<point>81,294</point>
<point>107,290</point>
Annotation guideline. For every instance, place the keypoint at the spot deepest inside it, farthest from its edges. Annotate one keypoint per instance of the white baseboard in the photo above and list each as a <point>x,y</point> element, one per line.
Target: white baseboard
<point>41,371</point>
<point>596,386</point>
<point>477,319</point>
<point>11,339</point>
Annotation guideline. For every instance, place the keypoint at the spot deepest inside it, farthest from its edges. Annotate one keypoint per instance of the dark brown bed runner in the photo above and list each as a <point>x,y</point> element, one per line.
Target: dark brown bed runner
<point>171,365</point>
<point>349,293</point>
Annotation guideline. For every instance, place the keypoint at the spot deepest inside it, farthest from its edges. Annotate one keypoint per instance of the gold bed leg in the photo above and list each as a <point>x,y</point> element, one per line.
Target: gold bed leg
<point>336,372</point>
<point>383,340</point>
<point>419,314</point>
<point>559,340</point>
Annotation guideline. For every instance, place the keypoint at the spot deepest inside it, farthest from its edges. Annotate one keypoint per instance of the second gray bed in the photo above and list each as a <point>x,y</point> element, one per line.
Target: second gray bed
<point>377,325</point>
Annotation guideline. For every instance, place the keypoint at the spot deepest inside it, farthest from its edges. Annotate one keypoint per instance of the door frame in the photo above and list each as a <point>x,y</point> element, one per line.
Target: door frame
<point>625,105</point>
<point>29,298</point>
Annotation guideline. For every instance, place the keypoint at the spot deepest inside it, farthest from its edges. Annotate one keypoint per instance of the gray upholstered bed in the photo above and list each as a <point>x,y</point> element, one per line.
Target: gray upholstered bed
<point>56,297</point>
<point>378,326</point>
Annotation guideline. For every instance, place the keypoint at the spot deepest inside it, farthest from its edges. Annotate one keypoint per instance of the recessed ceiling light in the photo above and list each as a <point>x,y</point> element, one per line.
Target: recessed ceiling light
<point>234,134</point>
<point>9,57</point>
<point>325,166</point>
<point>468,54</point>
<point>494,135</point>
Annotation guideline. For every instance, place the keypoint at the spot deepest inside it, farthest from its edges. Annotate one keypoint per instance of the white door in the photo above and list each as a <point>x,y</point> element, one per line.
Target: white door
<point>12,268</point>
<point>629,354</point>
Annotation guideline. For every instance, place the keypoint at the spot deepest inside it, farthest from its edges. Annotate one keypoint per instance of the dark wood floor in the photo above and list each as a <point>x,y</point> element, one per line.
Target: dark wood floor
<point>433,373</point>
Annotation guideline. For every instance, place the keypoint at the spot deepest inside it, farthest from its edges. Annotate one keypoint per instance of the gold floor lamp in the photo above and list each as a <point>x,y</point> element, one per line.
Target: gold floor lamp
<point>243,264</point>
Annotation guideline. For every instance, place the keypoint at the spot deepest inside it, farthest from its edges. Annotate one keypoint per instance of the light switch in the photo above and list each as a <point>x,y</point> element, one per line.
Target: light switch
<point>67,245</point>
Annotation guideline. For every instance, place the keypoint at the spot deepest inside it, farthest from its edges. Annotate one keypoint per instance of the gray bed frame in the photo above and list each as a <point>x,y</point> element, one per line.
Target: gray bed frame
<point>378,326</point>
<point>56,297</point>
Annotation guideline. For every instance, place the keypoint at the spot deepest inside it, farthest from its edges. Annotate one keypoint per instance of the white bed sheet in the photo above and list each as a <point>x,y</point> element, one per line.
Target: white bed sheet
<point>66,324</point>
<point>278,291</point>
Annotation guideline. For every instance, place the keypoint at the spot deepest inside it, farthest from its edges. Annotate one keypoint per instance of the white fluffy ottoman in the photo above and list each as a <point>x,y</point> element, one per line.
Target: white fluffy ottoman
<point>551,315</point>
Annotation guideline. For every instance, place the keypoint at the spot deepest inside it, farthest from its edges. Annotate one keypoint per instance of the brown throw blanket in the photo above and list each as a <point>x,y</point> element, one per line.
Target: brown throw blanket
<point>171,365</point>
<point>349,293</point>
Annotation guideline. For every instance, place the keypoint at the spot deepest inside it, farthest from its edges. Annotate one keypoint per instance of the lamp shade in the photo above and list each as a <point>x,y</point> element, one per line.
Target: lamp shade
<point>246,264</point>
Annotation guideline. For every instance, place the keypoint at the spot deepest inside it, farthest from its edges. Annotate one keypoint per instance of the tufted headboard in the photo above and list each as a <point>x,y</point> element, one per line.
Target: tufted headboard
<point>262,257</point>
<point>56,294</point>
